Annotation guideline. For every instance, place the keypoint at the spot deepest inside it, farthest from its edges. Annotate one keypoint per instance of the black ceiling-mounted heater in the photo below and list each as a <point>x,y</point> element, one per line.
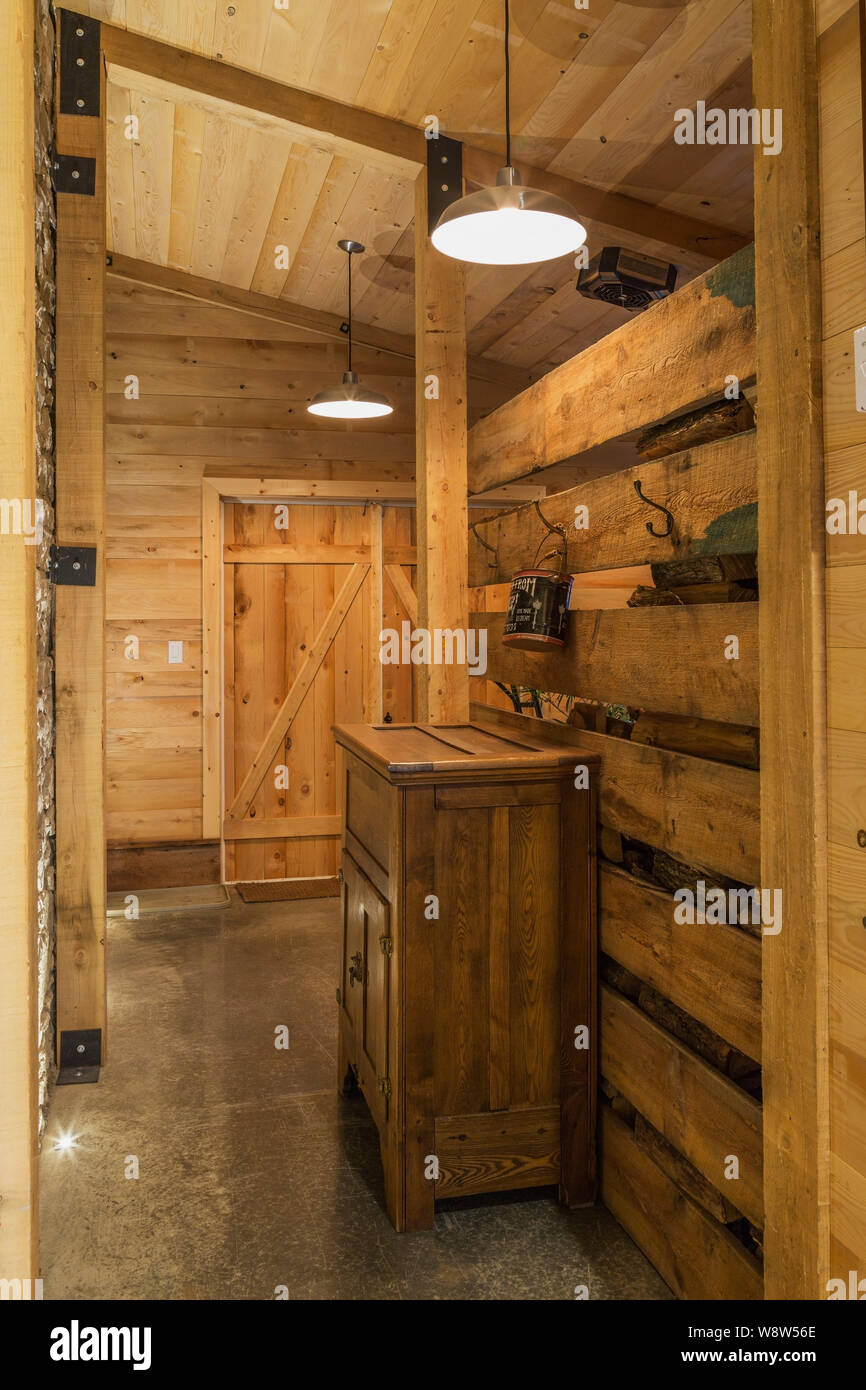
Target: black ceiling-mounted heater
<point>627,279</point>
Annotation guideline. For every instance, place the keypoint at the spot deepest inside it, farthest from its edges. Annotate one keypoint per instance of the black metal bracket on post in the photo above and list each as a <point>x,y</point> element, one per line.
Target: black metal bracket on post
<point>74,173</point>
<point>444,176</point>
<point>80,64</point>
<point>80,1057</point>
<point>74,564</point>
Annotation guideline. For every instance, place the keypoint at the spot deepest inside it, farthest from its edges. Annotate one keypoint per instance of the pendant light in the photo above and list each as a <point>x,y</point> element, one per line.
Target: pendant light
<point>351,401</point>
<point>509,224</point>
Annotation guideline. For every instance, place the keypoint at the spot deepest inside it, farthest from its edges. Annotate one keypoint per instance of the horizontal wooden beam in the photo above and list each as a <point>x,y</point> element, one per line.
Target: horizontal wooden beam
<point>701,487</point>
<point>283,828</point>
<point>319,321</point>
<point>605,213</point>
<point>701,812</point>
<point>669,660</point>
<point>683,963</point>
<point>347,130</point>
<point>267,445</point>
<point>394,144</point>
<point>680,353</point>
<point>697,1256</point>
<point>703,1114</point>
<point>322,554</point>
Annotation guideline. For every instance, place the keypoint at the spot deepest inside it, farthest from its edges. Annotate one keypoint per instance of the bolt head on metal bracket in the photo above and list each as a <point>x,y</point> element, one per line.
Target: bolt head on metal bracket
<point>80,1057</point>
<point>80,64</point>
<point>74,174</point>
<point>74,564</point>
<point>444,177</point>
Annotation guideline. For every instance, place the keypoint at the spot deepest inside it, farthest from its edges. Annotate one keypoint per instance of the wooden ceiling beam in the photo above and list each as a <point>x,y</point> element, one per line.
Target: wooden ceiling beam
<point>318,321</point>
<point>402,148</point>
<point>346,129</point>
<point>607,215</point>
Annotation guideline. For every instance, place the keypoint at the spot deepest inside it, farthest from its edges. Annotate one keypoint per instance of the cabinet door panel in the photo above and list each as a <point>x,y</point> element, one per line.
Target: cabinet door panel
<point>352,984</point>
<point>533,889</point>
<point>374,1059</point>
<point>461,1049</point>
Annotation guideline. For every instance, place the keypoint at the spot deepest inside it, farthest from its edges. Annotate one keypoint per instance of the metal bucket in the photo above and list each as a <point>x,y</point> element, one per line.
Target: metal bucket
<point>537,617</point>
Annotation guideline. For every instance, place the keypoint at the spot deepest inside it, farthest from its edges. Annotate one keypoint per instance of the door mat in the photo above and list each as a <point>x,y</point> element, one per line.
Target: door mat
<point>149,900</point>
<point>278,890</point>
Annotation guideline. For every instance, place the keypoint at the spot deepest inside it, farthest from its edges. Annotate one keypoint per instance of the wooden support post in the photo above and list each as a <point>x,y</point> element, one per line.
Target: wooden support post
<point>441,443</point>
<point>19,1254</point>
<point>372,665</point>
<point>80,642</point>
<point>792,674</point>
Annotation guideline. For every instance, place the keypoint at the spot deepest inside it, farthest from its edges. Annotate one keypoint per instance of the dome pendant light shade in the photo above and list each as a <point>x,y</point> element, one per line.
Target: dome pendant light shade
<point>508,225</point>
<point>351,401</point>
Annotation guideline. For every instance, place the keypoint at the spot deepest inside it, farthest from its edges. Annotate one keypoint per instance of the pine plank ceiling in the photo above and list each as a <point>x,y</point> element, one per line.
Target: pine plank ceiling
<point>206,190</point>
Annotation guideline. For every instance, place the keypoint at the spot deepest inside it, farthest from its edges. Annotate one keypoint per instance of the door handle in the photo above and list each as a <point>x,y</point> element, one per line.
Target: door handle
<point>356,970</point>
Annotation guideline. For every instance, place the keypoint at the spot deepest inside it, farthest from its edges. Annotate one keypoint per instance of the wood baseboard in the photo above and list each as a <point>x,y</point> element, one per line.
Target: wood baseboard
<point>163,864</point>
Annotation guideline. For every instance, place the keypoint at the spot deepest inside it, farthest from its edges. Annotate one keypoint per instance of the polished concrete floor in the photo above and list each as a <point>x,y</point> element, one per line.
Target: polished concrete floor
<point>253,1176</point>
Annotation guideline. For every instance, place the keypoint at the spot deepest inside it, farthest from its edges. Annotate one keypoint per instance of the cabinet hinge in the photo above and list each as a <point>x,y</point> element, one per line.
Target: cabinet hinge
<point>386,945</point>
<point>383,1085</point>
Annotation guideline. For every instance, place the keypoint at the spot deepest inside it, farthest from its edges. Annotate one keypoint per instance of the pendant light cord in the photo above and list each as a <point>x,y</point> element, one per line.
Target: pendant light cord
<point>350,310</point>
<point>507,85</point>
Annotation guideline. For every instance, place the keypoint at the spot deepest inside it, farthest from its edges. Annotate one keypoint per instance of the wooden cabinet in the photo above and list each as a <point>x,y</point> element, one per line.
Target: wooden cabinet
<point>468,983</point>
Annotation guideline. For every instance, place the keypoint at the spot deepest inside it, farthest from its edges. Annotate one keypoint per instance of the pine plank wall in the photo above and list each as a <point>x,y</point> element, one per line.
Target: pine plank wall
<point>220,392</point>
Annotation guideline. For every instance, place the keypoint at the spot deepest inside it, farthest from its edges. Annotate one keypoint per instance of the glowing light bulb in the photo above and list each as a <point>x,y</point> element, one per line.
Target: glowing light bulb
<point>65,1142</point>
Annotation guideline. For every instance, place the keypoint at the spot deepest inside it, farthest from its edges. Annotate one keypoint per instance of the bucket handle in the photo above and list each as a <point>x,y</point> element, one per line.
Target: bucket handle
<point>552,530</point>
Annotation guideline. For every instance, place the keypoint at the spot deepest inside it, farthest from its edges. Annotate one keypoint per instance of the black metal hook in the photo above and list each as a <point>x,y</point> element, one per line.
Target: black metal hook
<point>552,530</point>
<point>659,535</point>
<point>481,541</point>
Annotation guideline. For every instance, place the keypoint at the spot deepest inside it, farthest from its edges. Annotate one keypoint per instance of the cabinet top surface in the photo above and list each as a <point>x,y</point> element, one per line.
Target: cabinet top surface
<point>404,749</point>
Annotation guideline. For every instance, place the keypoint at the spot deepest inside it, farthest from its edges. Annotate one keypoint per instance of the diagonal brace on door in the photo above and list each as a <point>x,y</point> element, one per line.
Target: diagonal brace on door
<point>404,591</point>
<point>300,685</point>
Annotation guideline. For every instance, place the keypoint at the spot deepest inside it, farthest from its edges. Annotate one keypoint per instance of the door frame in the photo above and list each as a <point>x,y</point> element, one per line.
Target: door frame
<point>216,491</point>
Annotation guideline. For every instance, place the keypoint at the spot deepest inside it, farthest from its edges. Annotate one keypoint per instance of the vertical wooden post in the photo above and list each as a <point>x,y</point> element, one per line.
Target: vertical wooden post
<point>80,640</point>
<point>441,476</point>
<point>18,1027</point>
<point>372,665</point>
<point>793,738</point>
<point>212,616</point>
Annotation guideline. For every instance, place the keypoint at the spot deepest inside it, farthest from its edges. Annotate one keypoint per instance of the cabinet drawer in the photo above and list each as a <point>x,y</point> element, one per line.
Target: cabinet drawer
<point>368,802</point>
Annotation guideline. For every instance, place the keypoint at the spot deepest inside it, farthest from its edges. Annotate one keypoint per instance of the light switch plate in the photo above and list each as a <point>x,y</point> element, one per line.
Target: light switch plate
<point>175,653</point>
<point>860,367</point>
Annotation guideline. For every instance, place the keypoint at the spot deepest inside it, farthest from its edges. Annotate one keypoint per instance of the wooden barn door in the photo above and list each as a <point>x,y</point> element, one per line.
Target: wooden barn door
<point>307,589</point>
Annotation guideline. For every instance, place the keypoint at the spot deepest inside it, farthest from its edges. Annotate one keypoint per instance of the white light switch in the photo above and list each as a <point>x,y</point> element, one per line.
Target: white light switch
<point>860,367</point>
<point>175,653</point>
